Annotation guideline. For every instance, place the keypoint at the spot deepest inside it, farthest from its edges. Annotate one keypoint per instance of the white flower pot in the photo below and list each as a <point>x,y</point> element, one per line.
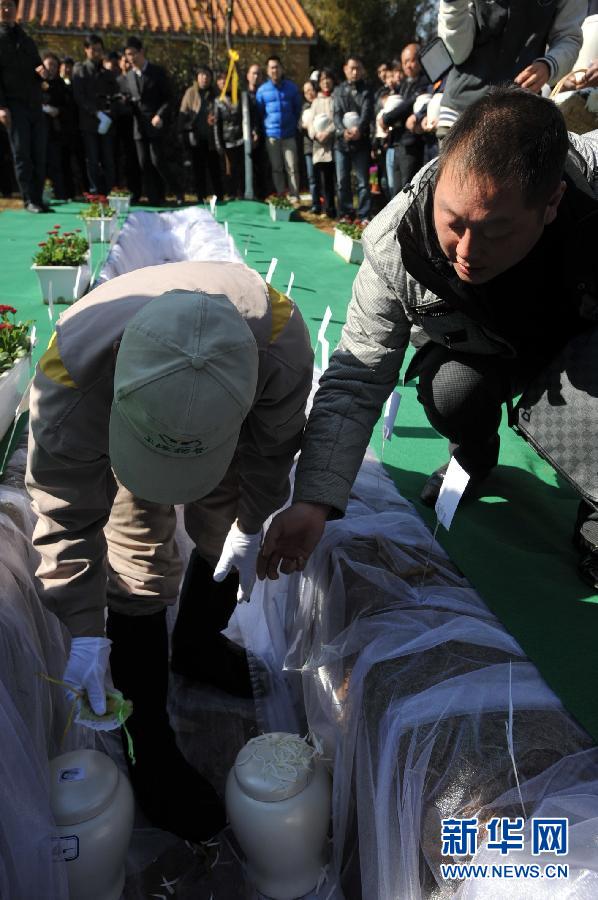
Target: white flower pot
<point>101,229</point>
<point>65,283</point>
<point>350,249</point>
<point>277,214</point>
<point>12,387</point>
<point>120,204</point>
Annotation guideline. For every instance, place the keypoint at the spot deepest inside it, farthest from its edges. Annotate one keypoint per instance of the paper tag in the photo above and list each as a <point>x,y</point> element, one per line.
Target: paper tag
<point>271,268</point>
<point>453,484</point>
<point>290,284</point>
<point>213,201</point>
<point>33,337</point>
<point>73,773</point>
<point>390,414</point>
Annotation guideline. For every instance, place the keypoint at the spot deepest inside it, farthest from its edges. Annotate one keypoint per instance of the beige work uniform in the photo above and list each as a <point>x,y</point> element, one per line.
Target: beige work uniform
<point>97,541</point>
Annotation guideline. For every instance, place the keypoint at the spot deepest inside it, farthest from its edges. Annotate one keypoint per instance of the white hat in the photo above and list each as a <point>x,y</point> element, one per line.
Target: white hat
<point>185,379</point>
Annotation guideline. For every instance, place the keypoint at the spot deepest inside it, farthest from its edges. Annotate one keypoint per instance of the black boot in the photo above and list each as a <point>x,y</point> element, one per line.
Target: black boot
<point>170,792</point>
<point>199,651</point>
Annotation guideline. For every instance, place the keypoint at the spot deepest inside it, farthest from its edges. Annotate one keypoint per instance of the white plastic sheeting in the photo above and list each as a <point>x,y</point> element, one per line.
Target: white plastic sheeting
<point>150,239</point>
<point>33,713</point>
<point>385,653</point>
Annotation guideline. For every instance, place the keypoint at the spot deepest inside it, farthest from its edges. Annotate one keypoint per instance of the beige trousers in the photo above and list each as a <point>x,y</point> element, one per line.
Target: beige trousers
<point>282,153</point>
<point>144,566</point>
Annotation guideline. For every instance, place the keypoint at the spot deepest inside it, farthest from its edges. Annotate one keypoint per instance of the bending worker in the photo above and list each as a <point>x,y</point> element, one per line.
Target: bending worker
<point>491,252</point>
<point>183,383</point>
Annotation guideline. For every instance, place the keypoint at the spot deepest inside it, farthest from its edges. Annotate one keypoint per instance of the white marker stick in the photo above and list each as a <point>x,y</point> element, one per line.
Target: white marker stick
<point>271,268</point>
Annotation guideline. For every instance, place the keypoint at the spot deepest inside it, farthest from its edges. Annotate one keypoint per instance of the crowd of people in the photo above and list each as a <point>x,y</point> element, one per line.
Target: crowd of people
<point>109,119</point>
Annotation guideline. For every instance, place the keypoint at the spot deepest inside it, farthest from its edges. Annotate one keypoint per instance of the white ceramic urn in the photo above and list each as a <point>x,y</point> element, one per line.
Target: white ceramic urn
<point>278,804</point>
<point>93,807</point>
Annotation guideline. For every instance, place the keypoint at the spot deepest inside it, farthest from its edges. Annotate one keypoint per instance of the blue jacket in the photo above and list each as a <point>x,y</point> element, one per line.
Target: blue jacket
<point>279,107</point>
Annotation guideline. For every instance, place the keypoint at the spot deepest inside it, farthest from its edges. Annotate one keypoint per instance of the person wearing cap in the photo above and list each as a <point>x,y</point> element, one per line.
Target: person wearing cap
<point>183,383</point>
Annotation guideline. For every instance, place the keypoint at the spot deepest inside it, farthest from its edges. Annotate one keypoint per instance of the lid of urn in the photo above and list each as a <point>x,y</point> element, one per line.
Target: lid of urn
<point>274,766</point>
<point>82,785</point>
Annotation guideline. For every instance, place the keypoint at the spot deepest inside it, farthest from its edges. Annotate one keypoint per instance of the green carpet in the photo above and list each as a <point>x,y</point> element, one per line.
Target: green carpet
<point>514,543</point>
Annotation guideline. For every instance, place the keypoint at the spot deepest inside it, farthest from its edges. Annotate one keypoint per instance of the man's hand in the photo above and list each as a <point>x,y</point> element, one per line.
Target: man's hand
<point>157,121</point>
<point>5,117</point>
<point>321,136</point>
<point>534,77</point>
<point>413,125</point>
<point>240,552</point>
<point>86,669</point>
<point>291,539</point>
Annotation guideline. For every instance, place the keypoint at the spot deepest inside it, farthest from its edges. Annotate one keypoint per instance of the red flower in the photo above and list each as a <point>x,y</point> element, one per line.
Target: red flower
<point>4,325</point>
<point>43,244</point>
<point>6,309</point>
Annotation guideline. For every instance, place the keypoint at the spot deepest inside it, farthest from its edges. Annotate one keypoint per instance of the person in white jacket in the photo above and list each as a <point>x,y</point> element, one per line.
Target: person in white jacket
<point>532,44</point>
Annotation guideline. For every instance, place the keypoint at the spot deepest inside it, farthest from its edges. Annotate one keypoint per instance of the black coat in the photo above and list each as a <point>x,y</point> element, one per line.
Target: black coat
<point>58,94</point>
<point>94,88</point>
<point>229,124</point>
<point>353,98</point>
<point>409,90</point>
<point>19,58</point>
<point>151,95</point>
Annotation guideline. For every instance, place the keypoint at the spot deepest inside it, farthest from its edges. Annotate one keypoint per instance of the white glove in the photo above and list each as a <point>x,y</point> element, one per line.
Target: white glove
<point>86,669</point>
<point>105,122</point>
<point>240,550</point>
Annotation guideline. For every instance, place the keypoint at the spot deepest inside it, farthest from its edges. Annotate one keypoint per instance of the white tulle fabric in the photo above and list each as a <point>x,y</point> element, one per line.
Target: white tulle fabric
<point>390,659</point>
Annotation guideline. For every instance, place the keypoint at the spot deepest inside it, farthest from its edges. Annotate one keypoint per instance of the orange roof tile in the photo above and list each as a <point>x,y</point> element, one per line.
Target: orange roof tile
<point>262,18</point>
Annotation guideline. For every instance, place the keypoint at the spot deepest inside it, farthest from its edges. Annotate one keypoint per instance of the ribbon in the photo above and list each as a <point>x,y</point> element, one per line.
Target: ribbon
<point>232,78</point>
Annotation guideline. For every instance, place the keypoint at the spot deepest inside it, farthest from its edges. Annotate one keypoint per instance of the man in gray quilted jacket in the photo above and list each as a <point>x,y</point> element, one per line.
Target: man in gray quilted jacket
<point>470,256</point>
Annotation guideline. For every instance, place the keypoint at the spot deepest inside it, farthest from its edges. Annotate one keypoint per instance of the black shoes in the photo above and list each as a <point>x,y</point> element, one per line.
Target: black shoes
<point>170,792</point>
<point>38,208</point>
<point>199,651</point>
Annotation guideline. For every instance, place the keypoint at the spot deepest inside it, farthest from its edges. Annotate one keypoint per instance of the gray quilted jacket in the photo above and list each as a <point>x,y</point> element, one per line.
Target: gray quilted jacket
<point>388,299</point>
